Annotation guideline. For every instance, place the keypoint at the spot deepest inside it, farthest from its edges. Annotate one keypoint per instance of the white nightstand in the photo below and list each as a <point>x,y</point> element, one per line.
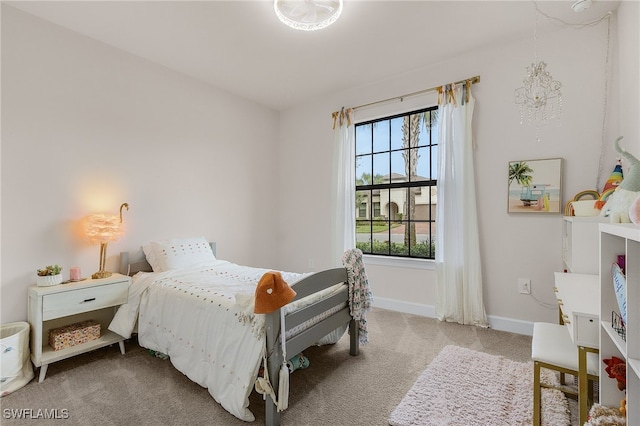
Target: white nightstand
<point>65,304</point>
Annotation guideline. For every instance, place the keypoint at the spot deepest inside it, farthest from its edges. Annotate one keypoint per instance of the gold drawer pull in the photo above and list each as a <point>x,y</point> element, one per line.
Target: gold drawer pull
<point>565,319</point>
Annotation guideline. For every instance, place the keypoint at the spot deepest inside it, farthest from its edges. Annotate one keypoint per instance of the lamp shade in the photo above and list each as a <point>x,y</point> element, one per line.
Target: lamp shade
<point>103,228</point>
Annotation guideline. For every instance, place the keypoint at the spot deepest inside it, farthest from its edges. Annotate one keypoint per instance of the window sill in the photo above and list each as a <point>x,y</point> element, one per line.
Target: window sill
<point>399,262</point>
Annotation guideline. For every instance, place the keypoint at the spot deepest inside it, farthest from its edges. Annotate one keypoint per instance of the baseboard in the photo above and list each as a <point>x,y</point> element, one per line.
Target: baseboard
<point>497,323</point>
<point>511,325</point>
<point>405,307</point>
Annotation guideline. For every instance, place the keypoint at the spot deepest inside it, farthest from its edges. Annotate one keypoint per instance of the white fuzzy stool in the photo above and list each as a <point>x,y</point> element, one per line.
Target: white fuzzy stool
<point>553,348</point>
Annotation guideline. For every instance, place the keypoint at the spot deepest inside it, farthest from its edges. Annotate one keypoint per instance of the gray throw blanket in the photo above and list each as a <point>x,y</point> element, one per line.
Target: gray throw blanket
<point>360,297</point>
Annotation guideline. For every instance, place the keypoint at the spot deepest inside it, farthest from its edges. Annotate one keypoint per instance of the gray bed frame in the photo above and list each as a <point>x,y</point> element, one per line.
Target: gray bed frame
<point>305,287</point>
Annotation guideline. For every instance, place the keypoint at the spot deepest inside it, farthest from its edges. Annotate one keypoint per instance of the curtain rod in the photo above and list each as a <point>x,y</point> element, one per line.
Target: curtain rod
<point>471,80</point>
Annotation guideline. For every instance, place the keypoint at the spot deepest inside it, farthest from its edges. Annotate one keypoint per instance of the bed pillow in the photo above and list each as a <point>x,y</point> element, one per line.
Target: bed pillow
<point>178,253</point>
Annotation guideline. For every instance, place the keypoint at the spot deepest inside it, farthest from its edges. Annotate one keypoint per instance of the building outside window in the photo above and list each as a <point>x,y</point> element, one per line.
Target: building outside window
<point>396,175</point>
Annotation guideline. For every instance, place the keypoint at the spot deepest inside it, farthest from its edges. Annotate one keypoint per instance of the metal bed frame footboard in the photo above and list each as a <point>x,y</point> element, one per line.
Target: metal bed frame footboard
<point>311,284</point>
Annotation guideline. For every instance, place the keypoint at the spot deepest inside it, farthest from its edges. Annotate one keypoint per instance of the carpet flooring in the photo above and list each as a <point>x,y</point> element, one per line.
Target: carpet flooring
<point>106,388</point>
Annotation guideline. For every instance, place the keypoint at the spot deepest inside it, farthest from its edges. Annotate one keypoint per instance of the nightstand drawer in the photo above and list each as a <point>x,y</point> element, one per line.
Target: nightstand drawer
<point>82,300</point>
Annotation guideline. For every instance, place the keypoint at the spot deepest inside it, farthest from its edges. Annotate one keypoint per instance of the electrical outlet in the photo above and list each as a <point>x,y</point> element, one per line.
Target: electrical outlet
<point>524,285</point>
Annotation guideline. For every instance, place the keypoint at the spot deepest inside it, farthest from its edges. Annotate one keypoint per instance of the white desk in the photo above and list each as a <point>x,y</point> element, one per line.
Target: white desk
<point>579,301</point>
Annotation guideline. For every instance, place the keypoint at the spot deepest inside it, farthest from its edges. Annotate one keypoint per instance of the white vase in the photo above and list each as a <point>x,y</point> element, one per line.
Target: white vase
<point>48,280</point>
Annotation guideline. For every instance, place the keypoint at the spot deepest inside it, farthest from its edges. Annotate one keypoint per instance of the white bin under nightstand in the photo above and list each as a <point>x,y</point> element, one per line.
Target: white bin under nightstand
<point>15,367</point>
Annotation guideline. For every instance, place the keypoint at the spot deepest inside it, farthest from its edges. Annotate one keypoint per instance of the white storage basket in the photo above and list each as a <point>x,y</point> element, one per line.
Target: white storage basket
<point>15,364</point>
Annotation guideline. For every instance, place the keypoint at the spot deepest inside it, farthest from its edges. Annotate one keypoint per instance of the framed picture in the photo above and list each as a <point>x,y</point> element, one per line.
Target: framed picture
<point>534,186</point>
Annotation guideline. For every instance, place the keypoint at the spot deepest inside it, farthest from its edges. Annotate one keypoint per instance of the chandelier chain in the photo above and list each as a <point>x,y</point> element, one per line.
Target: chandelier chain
<point>605,101</point>
<point>591,23</point>
<point>540,98</point>
<point>535,32</point>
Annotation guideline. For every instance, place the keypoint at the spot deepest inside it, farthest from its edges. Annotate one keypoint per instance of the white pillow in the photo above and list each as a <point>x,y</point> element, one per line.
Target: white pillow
<point>178,253</point>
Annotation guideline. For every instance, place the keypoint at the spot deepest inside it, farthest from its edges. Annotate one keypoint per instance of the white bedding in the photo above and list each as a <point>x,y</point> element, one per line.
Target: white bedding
<point>203,318</point>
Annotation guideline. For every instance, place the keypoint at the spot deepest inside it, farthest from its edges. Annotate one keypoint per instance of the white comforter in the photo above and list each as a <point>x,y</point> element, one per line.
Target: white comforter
<point>203,319</point>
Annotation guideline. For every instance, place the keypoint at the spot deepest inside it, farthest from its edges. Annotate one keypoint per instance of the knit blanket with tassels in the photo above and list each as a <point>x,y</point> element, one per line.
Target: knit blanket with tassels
<point>360,296</point>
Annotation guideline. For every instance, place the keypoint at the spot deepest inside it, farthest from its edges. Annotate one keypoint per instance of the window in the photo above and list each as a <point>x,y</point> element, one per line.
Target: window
<point>396,176</point>
<point>376,209</point>
<point>362,211</point>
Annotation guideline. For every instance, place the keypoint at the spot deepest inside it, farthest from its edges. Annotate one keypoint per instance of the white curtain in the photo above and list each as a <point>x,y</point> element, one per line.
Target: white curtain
<point>343,186</point>
<point>458,265</point>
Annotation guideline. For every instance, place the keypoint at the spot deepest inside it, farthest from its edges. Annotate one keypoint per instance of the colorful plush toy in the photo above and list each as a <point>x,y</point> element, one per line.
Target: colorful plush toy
<point>617,369</point>
<point>634,211</point>
<point>297,362</point>
<point>599,415</point>
<point>610,186</point>
<point>618,204</point>
<point>615,179</point>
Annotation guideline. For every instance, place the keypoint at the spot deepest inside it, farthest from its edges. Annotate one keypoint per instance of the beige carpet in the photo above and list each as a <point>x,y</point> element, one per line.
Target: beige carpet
<point>106,388</point>
<point>463,387</point>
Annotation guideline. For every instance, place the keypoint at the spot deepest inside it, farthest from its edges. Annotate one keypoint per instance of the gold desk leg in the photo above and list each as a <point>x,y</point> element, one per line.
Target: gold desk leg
<point>561,322</point>
<point>583,383</point>
<point>536,395</point>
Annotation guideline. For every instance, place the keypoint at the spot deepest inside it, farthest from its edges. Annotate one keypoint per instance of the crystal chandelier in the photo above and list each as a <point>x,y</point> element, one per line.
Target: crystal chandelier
<point>540,98</point>
<point>308,15</point>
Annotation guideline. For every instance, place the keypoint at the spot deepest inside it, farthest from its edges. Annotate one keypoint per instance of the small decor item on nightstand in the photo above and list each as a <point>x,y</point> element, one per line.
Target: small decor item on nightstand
<point>75,274</point>
<point>48,276</point>
<point>74,334</point>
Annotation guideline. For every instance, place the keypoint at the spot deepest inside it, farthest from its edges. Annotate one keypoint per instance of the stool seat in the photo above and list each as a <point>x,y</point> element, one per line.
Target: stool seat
<point>552,348</point>
<point>552,344</point>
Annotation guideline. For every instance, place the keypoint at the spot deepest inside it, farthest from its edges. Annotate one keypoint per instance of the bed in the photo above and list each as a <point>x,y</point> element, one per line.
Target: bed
<point>198,310</point>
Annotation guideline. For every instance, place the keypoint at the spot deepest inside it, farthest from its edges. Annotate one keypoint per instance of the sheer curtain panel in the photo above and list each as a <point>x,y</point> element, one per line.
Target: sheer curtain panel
<point>458,265</point>
<point>343,186</point>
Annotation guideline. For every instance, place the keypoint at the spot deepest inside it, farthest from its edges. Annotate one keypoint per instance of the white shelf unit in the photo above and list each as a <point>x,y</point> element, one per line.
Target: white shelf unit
<point>617,239</point>
<point>580,244</point>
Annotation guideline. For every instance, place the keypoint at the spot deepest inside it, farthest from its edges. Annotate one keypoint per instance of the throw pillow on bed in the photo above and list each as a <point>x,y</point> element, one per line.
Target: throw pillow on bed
<point>178,253</point>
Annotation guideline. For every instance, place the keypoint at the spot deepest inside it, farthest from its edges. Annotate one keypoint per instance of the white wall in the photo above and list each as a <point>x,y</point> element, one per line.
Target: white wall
<point>86,127</point>
<point>512,245</point>
<point>628,87</point>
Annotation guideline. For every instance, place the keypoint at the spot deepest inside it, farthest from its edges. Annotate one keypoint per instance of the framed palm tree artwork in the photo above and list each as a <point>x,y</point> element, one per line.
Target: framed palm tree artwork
<point>535,186</point>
